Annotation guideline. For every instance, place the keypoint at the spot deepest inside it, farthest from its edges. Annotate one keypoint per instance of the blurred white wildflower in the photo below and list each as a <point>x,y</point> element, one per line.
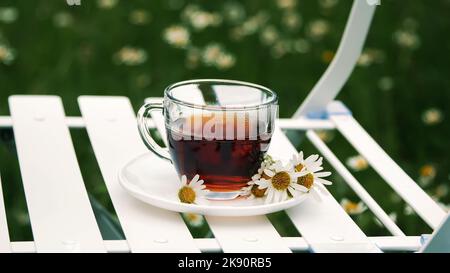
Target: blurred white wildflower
<point>325,135</point>
<point>195,220</point>
<point>269,35</point>
<point>327,4</point>
<point>432,116</point>
<point>107,4</point>
<point>8,14</point>
<point>225,61</point>
<point>407,39</point>
<point>280,48</point>
<point>286,4</point>
<point>327,56</point>
<point>426,174</point>
<point>441,191</point>
<point>7,54</point>
<point>301,46</point>
<point>291,20</point>
<point>177,36</point>
<point>250,26</point>
<point>63,19</point>
<point>317,29</point>
<point>200,19</point>
<point>139,17</point>
<point>391,215</point>
<point>234,12</point>
<point>370,56</point>
<point>353,208</point>
<point>408,210</point>
<point>193,57</point>
<point>130,56</point>
<point>386,83</point>
<point>357,163</point>
<point>214,55</point>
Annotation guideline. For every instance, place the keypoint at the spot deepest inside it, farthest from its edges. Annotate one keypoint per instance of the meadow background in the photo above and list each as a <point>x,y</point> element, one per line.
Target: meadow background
<point>399,90</point>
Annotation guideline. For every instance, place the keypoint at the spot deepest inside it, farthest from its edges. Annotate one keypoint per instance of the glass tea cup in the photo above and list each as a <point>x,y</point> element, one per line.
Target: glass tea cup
<point>218,129</point>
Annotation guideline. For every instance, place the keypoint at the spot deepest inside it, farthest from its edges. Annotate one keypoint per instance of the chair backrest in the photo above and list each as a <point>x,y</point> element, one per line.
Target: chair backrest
<point>340,69</point>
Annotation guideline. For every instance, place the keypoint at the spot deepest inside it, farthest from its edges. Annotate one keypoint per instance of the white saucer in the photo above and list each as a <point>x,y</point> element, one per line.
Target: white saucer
<point>155,182</point>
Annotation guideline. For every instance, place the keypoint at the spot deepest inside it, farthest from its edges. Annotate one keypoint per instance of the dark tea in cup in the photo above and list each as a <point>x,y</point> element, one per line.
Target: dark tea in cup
<point>226,164</point>
<point>218,129</point>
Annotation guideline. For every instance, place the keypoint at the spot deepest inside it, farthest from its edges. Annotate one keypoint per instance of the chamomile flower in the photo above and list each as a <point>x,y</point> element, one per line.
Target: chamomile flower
<point>309,175</point>
<point>353,208</point>
<point>195,220</point>
<point>193,192</point>
<point>280,182</point>
<point>252,190</point>
<point>177,36</point>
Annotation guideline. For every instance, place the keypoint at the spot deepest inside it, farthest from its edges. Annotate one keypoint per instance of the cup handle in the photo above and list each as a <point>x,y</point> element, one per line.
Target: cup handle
<point>144,131</point>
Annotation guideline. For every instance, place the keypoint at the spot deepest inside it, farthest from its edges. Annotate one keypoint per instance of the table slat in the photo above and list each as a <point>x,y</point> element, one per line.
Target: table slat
<point>5,246</point>
<point>112,129</point>
<point>324,225</point>
<point>61,216</point>
<point>409,190</point>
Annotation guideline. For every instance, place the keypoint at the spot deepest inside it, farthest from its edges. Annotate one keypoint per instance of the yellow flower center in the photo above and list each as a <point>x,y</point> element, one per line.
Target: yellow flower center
<point>306,181</point>
<point>281,180</point>
<point>258,192</point>
<point>299,167</point>
<point>350,207</point>
<point>186,195</point>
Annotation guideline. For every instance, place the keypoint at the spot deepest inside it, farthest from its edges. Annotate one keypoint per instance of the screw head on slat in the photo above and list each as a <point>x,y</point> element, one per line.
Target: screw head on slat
<point>337,238</point>
<point>161,241</point>
<point>39,118</point>
<point>71,245</point>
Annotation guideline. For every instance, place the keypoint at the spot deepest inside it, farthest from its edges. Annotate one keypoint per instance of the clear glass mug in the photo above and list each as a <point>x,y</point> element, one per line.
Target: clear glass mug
<point>218,129</point>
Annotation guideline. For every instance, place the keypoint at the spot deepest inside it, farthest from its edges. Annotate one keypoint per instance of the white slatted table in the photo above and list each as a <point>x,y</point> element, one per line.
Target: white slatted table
<point>111,126</point>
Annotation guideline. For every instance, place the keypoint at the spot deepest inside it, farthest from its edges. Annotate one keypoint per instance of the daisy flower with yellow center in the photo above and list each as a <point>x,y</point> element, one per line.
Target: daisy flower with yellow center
<point>193,192</point>
<point>252,190</point>
<point>309,175</point>
<point>279,183</point>
<point>195,220</point>
<point>353,208</point>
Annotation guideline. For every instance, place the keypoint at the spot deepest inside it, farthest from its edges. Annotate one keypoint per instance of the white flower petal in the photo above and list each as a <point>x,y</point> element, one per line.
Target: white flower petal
<point>323,181</point>
<point>299,187</point>
<point>322,174</point>
<point>269,172</point>
<point>262,184</point>
<point>183,180</point>
<point>269,196</point>
<point>311,159</point>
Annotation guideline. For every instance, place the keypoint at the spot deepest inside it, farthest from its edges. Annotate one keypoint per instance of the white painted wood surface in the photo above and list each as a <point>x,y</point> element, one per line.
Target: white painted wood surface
<point>386,243</point>
<point>403,185</point>
<point>61,216</point>
<point>112,129</point>
<point>249,234</point>
<point>354,184</point>
<point>324,225</point>
<point>5,246</point>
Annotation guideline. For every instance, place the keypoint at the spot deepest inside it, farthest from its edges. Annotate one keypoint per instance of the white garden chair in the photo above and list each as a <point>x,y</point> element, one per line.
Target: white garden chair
<point>62,219</point>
